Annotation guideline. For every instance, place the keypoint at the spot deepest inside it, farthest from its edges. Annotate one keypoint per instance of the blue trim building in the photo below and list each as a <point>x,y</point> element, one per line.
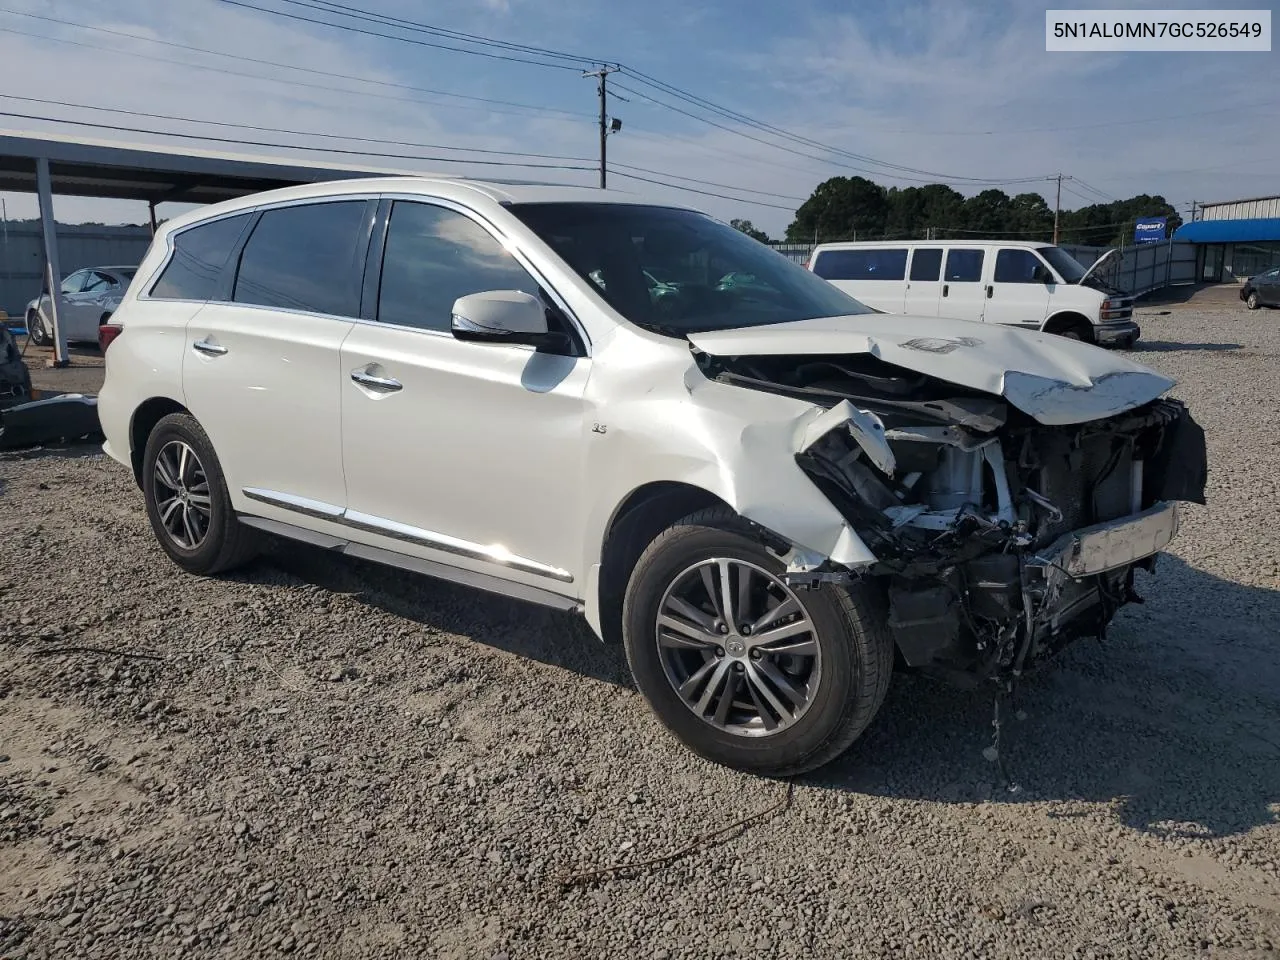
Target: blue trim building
<point>1234,240</point>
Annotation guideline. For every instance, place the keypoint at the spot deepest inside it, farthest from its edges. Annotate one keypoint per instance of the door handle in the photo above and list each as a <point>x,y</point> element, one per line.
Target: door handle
<point>946,289</point>
<point>389,384</point>
<point>990,290</point>
<point>208,349</point>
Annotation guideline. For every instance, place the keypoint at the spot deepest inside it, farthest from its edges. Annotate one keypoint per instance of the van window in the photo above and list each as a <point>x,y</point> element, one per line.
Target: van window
<point>869,264</point>
<point>964,266</point>
<point>1018,266</point>
<point>199,254</point>
<point>926,264</point>
<point>433,257</point>
<point>305,258</point>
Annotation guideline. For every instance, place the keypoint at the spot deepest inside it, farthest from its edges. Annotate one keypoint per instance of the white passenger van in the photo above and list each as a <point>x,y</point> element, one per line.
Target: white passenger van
<point>1032,285</point>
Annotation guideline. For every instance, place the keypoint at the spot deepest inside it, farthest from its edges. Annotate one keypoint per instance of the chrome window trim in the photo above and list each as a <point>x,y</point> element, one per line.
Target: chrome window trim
<point>508,243</point>
<point>257,208</point>
<point>403,532</point>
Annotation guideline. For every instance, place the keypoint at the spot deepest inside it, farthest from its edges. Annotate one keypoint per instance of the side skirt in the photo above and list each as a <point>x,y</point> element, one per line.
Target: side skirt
<point>440,571</point>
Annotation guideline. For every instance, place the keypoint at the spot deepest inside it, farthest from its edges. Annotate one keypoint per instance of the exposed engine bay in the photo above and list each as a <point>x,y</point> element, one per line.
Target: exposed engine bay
<point>998,538</point>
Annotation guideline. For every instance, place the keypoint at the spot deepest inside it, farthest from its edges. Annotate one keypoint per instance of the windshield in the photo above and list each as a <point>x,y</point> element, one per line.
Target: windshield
<point>1063,262</point>
<point>128,273</point>
<point>678,272</point>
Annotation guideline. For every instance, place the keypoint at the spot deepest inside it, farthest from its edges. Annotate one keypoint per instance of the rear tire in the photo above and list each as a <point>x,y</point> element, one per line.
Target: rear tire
<point>187,501</point>
<point>829,671</point>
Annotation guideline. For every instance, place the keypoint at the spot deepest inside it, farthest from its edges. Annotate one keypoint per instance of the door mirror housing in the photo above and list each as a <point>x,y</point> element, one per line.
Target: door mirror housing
<point>1043,275</point>
<point>500,316</point>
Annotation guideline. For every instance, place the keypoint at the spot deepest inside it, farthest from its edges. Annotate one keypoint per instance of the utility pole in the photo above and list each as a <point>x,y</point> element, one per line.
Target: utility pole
<point>1057,209</point>
<point>1057,206</point>
<point>606,128</point>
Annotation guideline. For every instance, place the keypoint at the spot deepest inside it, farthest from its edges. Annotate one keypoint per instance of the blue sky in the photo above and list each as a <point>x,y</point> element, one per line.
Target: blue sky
<point>960,89</point>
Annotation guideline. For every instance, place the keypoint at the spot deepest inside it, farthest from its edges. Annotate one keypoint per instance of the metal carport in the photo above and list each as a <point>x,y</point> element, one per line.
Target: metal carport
<point>48,163</point>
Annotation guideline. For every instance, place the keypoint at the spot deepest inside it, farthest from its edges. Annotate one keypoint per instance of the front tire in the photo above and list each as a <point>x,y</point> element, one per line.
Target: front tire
<point>1254,301</point>
<point>743,669</point>
<point>187,502</point>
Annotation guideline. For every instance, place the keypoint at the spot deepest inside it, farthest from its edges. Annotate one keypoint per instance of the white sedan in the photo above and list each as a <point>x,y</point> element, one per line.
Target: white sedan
<point>87,299</point>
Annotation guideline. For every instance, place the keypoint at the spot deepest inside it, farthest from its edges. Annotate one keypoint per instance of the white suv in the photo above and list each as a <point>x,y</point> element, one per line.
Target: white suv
<point>766,491</point>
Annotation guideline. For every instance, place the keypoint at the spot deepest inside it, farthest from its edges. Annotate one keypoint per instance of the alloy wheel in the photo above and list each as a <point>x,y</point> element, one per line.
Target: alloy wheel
<point>738,647</point>
<point>182,496</point>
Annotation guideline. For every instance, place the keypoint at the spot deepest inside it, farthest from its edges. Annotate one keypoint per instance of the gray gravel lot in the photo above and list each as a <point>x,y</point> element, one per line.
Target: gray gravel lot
<point>326,759</point>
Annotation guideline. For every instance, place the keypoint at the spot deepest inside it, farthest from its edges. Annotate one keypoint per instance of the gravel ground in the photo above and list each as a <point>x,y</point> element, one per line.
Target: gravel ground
<point>326,759</point>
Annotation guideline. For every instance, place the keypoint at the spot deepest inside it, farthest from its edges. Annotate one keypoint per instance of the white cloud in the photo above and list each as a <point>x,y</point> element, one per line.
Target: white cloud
<point>947,87</point>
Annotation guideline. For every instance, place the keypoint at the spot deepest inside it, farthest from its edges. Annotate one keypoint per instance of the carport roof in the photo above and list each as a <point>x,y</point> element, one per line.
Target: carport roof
<point>1229,231</point>
<point>103,168</point>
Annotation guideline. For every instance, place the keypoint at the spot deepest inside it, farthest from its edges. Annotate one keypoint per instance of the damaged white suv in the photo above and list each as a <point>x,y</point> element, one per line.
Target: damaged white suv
<point>767,491</point>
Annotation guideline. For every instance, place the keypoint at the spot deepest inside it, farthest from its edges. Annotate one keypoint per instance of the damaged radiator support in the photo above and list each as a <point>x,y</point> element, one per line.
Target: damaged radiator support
<point>996,549</point>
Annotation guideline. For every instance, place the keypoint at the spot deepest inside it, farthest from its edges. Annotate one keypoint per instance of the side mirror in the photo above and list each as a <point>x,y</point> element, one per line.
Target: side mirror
<point>1042,275</point>
<point>500,316</point>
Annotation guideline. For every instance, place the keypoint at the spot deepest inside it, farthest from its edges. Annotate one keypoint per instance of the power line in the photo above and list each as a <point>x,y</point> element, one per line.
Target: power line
<point>709,183</point>
<point>391,36</point>
<point>810,156</point>
<point>290,146</point>
<point>328,6</point>
<point>257,76</point>
<point>796,138</point>
<point>293,133</point>
<point>357,13</point>
<point>284,66</point>
<point>705,193</point>
<point>311,133</point>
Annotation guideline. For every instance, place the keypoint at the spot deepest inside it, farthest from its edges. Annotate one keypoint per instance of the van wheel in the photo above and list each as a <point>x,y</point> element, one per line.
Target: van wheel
<point>743,669</point>
<point>1077,331</point>
<point>187,500</point>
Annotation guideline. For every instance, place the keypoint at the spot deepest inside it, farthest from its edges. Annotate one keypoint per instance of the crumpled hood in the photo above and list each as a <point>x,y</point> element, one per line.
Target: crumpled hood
<point>1054,380</point>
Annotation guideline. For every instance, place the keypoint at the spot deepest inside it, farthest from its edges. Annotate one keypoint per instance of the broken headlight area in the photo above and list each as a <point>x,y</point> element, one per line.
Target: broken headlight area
<point>999,548</point>
<point>999,539</point>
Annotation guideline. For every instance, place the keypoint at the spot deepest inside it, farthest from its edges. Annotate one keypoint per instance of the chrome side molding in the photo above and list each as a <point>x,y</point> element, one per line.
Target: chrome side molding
<point>380,526</point>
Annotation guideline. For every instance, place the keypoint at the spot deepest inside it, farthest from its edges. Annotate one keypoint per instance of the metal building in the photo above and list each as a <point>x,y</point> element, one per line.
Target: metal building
<point>46,163</point>
<point>1234,239</point>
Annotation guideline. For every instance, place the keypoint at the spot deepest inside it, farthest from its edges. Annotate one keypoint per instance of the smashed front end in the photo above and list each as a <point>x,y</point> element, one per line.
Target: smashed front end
<point>998,538</point>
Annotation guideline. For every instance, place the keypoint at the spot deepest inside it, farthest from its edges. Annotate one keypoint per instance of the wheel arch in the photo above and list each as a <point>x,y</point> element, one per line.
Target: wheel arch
<point>1068,320</point>
<point>643,514</point>
<point>149,413</point>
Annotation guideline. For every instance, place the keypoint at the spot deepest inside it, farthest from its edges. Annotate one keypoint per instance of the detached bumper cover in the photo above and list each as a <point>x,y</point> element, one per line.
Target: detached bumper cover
<point>1124,331</point>
<point>63,417</point>
<point>1111,545</point>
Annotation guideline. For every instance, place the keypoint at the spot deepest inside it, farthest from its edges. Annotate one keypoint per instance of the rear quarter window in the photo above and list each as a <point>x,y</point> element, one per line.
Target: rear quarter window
<point>872,264</point>
<point>199,254</point>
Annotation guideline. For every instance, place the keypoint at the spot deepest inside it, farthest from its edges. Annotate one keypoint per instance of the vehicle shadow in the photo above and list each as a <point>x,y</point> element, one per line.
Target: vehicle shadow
<point>1173,346</point>
<point>1174,721</point>
<point>525,629</point>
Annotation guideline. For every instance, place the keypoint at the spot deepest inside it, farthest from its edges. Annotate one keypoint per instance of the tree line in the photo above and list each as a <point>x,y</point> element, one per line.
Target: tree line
<point>855,208</point>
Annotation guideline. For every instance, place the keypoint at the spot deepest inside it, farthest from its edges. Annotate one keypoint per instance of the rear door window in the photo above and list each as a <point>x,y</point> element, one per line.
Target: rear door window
<point>74,283</point>
<point>308,257</point>
<point>862,264</point>
<point>964,266</point>
<point>926,264</point>
<point>199,254</point>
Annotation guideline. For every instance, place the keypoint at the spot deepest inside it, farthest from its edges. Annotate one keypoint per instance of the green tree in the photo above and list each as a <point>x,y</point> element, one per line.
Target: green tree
<point>750,229</point>
<point>841,208</point>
